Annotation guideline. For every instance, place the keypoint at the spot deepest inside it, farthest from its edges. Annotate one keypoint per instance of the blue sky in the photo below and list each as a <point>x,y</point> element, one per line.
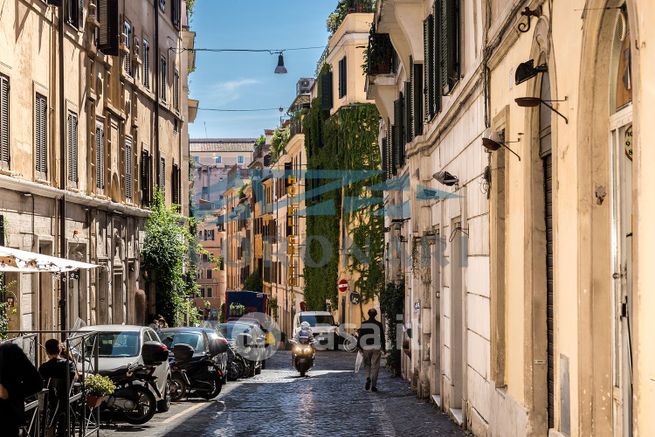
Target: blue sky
<point>246,80</point>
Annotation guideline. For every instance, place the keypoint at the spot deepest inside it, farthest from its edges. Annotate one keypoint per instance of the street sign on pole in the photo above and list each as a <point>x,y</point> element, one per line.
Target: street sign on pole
<point>343,285</point>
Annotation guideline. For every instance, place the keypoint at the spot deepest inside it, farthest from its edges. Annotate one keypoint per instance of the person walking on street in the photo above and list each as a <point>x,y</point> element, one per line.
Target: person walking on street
<point>18,380</point>
<point>372,343</point>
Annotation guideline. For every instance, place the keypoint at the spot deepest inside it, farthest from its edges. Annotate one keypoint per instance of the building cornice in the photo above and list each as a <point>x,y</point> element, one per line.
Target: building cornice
<point>28,187</point>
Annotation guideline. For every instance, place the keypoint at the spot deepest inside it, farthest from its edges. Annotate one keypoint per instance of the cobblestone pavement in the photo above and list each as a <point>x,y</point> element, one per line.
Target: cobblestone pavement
<point>331,401</point>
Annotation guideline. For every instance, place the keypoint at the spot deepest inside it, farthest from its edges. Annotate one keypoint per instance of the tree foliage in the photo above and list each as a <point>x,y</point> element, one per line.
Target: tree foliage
<point>170,256</point>
<point>344,7</point>
<point>281,137</point>
<point>253,282</point>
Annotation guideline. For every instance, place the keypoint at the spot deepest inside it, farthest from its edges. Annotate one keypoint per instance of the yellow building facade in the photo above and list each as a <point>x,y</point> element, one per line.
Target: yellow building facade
<point>90,127</point>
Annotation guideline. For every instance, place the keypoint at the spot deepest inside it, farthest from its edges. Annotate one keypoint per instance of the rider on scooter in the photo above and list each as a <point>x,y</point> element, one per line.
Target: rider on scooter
<point>304,335</point>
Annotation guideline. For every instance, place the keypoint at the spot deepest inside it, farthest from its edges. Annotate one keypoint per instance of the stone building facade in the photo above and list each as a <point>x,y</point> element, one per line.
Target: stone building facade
<point>535,323</point>
<point>94,118</point>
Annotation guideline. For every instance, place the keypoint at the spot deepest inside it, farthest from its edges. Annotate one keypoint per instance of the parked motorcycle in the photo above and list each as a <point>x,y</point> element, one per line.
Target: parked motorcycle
<point>136,387</point>
<point>133,397</point>
<point>191,375</point>
<point>303,353</point>
<point>236,365</point>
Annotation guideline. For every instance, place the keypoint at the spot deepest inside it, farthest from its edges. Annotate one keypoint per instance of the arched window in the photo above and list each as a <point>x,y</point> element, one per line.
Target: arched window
<point>621,66</point>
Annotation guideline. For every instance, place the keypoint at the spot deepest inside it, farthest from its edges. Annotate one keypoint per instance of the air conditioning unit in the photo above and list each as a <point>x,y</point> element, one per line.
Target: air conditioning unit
<point>304,86</point>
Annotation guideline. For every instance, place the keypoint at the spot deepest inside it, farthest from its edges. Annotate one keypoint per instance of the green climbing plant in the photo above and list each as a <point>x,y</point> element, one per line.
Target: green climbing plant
<point>345,141</point>
<point>392,305</point>
<point>170,249</point>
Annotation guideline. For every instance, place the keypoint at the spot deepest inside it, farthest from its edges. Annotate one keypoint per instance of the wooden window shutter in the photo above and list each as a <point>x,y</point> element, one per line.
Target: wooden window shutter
<point>145,177</point>
<point>389,138</point>
<point>326,91</point>
<point>450,46</point>
<point>385,159</point>
<point>4,119</point>
<point>417,91</point>
<point>176,9</point>
<point>109,31</point>
<point>73,147</point>
<point>428,46</point>
<point>408,105</point>
<point>100,157</point>
<point>146,64</point>
<point>41,137</point>
<point>398,134</point>
<point>128,168</point>
<point>162,176</point>
<point>343,77</point>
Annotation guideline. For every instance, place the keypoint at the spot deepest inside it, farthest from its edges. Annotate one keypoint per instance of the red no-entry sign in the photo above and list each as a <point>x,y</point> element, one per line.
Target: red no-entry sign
<point>342,285</point>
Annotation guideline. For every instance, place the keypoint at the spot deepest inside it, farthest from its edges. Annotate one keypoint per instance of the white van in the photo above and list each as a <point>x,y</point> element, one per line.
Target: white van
<point>323,327</point>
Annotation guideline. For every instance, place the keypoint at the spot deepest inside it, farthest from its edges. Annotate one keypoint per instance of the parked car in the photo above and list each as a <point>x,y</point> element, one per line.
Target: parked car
<point>323,327</point>
<point>249,340</point>
<point>121,346</point>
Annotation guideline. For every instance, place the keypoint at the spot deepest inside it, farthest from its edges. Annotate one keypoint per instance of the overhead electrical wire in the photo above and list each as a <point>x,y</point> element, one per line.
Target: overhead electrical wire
<point>269,51</point>
<point>280,109</point>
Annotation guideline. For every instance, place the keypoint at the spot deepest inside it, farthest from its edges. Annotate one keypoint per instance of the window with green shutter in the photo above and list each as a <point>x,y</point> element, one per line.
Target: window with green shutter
<point>343,77</point>
<point>417,99</point>
<point>326,90</point>
<point>428,78</point>
<point>41,135</point>
<point>409,109</point>
<point>4,121</point>
<point>146,178</point>
<point>73,149</point>
<point>450,44</point>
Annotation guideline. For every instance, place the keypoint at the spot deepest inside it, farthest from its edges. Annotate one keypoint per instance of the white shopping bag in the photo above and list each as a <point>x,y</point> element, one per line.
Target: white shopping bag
<point>358,361</point>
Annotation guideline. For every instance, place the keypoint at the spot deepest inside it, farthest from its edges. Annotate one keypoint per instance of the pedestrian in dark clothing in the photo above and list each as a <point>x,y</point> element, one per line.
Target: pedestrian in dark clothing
<point>58,373</point>
<point>18,379</point>
<point>372,343</point>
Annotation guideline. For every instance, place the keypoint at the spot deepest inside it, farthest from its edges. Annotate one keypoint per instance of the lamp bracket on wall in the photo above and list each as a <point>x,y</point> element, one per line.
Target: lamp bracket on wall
<point>528,14</point>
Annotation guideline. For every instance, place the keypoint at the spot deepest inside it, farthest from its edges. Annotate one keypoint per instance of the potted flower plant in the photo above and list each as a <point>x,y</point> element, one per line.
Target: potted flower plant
<point>98,387</point>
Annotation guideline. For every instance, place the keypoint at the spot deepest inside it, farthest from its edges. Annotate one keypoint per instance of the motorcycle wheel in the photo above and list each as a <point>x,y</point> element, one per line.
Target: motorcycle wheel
<point>145,408</point>
<point>302,373</point>
<point>234,371</point>
<point>165,404</point>
<point>215,391</point>
<point>245,370</point>
<point>178,390</point>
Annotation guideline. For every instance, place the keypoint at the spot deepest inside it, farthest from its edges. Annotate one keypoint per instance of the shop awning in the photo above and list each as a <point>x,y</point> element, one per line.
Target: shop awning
<point>20,261</point>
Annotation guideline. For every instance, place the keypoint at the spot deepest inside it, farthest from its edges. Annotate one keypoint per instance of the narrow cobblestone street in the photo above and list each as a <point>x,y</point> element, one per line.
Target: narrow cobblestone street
<point>330,401</point>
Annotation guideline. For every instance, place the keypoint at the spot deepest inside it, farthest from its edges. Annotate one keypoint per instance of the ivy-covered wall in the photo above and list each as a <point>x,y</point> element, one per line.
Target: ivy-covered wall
<point>346,141</point>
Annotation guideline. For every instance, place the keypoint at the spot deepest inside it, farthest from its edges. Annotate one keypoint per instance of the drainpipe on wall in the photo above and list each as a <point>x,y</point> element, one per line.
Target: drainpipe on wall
<point>62,176</point>
<point>156,152</point>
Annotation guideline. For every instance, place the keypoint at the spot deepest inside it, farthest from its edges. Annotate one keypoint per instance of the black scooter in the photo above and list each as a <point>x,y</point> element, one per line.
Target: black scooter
<point>133,398</point>
<point>199,375</point>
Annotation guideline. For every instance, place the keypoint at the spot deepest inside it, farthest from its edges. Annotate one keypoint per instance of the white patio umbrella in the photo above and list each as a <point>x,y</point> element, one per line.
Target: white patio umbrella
<point>20,261</point>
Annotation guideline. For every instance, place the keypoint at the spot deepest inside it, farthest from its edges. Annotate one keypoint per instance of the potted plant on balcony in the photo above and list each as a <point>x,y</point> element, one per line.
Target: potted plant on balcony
<point>97,389</point>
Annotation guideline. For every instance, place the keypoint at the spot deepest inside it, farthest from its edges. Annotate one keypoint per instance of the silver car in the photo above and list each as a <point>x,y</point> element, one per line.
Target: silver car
<point>120,346</point>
